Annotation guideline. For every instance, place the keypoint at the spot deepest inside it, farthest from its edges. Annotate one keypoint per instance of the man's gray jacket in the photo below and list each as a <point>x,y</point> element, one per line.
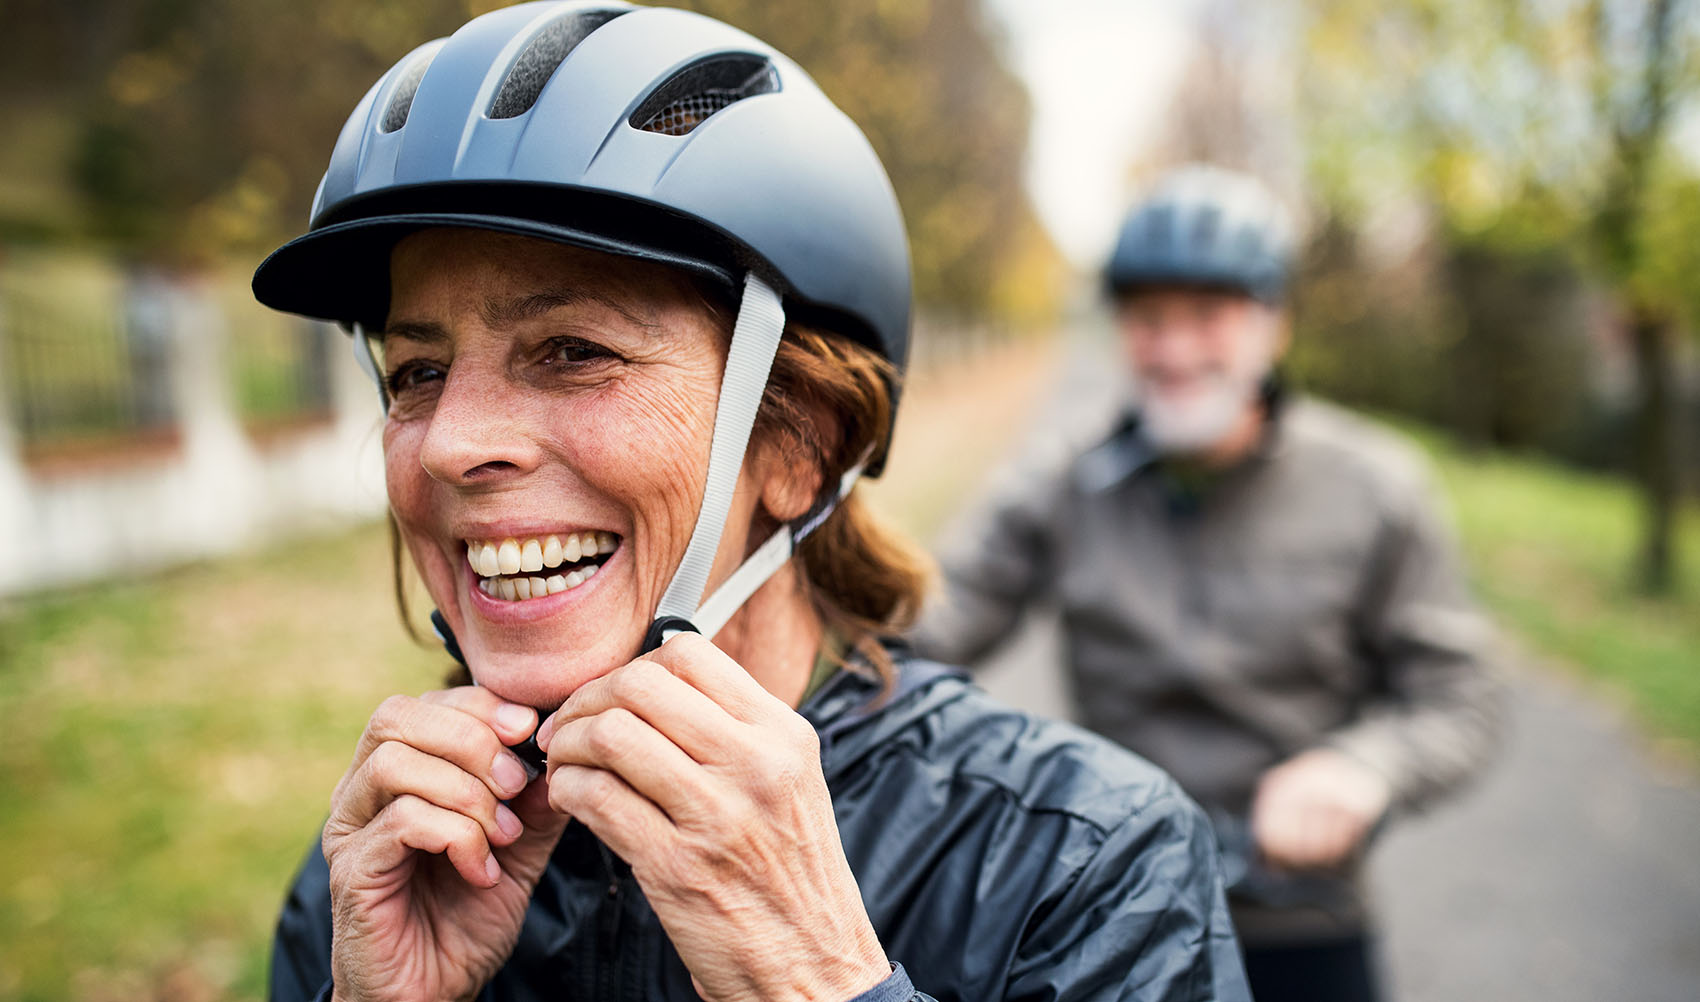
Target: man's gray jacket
<point>1310,596</point>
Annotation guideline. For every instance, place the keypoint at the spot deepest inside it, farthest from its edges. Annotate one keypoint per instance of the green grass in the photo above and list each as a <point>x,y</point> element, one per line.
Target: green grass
<point>168,747</point>
<point>1551,551</point>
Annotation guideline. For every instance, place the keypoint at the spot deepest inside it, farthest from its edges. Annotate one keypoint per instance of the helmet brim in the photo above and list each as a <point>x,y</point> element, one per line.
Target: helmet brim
<point>340,272</point>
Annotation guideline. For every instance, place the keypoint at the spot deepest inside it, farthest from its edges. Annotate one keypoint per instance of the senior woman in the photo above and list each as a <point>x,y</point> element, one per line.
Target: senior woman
<point>637,298</point>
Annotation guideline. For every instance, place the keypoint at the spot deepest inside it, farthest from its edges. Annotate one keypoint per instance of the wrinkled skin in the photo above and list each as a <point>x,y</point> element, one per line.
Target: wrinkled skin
<point>541,389</point>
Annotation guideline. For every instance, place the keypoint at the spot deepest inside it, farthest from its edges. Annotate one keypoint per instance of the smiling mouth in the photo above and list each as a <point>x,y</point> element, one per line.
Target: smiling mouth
<point>516,570</point>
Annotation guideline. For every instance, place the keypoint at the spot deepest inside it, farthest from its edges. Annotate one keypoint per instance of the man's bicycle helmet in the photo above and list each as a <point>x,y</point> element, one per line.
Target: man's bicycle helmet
<point>652,133</point>
<point>1206,226</point>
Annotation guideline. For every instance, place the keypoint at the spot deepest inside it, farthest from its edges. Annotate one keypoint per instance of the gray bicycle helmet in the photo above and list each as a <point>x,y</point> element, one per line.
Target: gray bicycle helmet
<point>647,132</point>
<point>1207,226</point>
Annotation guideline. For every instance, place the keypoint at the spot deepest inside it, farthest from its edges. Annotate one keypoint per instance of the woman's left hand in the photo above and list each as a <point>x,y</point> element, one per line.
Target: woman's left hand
<point>711,788</point>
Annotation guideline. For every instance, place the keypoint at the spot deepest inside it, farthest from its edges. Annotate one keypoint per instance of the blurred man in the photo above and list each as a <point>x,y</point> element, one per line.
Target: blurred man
<point>1256,591</point>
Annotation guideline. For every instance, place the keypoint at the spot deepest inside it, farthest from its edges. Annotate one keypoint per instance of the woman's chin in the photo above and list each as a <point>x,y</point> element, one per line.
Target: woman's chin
<point>539,677</point>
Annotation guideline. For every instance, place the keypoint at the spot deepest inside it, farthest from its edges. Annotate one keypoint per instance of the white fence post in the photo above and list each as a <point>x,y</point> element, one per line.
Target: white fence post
<point>14,486</point>
<point>219,462</point>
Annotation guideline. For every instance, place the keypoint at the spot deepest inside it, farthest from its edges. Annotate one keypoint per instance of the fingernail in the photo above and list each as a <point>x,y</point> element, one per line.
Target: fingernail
<point>545,731</point>
<point>507,773</point>
<point>515,717</point>
<point>508,821</point>
<point>492,869</point>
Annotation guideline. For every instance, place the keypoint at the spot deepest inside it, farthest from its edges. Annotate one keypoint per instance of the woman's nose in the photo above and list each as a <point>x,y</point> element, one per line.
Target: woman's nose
<point>477,434</point>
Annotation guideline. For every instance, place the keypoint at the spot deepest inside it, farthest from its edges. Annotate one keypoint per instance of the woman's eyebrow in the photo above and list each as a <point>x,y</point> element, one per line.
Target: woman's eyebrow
<point>517,309</point>
<point>422,331</point>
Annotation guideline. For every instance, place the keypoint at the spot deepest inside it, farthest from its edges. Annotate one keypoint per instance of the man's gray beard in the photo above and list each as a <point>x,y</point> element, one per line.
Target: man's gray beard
<point>1196,426</point>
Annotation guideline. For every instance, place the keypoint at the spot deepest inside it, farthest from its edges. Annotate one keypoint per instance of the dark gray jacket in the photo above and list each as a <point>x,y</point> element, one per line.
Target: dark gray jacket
<point>999,857</point>
<point>1311,596</point>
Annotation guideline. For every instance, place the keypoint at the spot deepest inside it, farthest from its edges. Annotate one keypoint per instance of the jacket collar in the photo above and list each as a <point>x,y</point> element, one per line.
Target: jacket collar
<point>854,713</point>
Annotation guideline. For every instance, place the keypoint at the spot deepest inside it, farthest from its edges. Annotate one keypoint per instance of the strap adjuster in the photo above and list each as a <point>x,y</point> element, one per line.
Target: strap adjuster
<point>663,629</point>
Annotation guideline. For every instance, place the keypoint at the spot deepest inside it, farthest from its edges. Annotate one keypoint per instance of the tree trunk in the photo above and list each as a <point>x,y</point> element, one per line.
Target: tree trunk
<point>1655,449</point>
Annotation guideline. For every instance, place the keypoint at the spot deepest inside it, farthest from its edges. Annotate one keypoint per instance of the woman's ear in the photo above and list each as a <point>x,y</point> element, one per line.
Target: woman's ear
<point>790,479</point>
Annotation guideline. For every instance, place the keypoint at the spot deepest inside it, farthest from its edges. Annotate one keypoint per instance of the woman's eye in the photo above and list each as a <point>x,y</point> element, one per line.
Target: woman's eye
<point>412,376</point>
<point>572,352</point>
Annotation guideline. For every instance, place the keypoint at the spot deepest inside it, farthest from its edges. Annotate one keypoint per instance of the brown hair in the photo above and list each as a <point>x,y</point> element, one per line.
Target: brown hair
<point>829,402</point>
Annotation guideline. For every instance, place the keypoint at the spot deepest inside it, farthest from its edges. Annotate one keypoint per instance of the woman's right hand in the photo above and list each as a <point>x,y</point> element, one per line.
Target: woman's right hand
<point>430,872</point>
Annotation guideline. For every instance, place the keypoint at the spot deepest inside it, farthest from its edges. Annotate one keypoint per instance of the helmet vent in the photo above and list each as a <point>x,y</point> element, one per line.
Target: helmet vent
<point>407,85</point>
<point>541,57</point>
<point>694,93</point>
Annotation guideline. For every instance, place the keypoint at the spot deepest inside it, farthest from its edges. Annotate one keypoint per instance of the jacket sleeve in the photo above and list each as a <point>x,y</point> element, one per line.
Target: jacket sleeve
<point>896,988</point>
<point>995,561</point>
<point>301,949</point>
<point>1145,919</point>
<point>1435,710</point>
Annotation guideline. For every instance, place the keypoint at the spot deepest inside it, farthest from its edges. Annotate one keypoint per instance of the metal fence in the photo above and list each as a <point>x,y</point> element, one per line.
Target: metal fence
<point>75,373</point>
<point>87,360</point>
<point>281,371</point>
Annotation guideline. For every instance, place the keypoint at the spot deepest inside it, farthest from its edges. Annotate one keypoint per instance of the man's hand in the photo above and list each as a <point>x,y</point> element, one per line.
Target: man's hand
<point>711,788</point>
<point>430,871</point>
<point>1314,811</point>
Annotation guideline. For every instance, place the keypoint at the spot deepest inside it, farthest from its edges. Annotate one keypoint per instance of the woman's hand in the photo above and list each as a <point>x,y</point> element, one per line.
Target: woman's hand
<point>1315,810</point>
<point>429,872</point>
<point>711,789</point>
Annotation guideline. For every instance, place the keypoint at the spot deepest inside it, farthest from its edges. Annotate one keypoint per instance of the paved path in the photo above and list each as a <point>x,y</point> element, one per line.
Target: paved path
<point>1570,873</point>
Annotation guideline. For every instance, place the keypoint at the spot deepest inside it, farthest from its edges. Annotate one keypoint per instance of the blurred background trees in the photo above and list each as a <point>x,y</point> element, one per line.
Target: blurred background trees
<point>187,130</point>
<point>1502,201</point>
<point>1504,215</point>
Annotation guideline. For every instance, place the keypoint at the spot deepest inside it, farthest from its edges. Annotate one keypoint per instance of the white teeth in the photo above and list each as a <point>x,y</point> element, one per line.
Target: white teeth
<point>498,564</point>
<point>507,557</point>
<point>482,557</point>
<point>531,556</point>
<point>522,589</point>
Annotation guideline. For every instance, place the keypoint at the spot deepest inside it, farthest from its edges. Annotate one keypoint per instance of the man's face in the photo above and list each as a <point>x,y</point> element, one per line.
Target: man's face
<point>1198,358</point>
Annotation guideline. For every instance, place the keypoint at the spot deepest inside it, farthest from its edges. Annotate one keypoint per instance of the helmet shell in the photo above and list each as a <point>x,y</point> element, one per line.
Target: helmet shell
<point>1208,226</point>
<point>530,120</point>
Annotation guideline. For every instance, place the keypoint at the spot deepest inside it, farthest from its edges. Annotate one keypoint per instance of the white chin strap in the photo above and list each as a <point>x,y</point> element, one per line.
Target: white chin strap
<point>755,342</point>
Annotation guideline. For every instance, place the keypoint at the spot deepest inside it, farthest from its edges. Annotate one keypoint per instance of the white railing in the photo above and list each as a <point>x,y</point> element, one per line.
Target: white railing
<point>213,488</point>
